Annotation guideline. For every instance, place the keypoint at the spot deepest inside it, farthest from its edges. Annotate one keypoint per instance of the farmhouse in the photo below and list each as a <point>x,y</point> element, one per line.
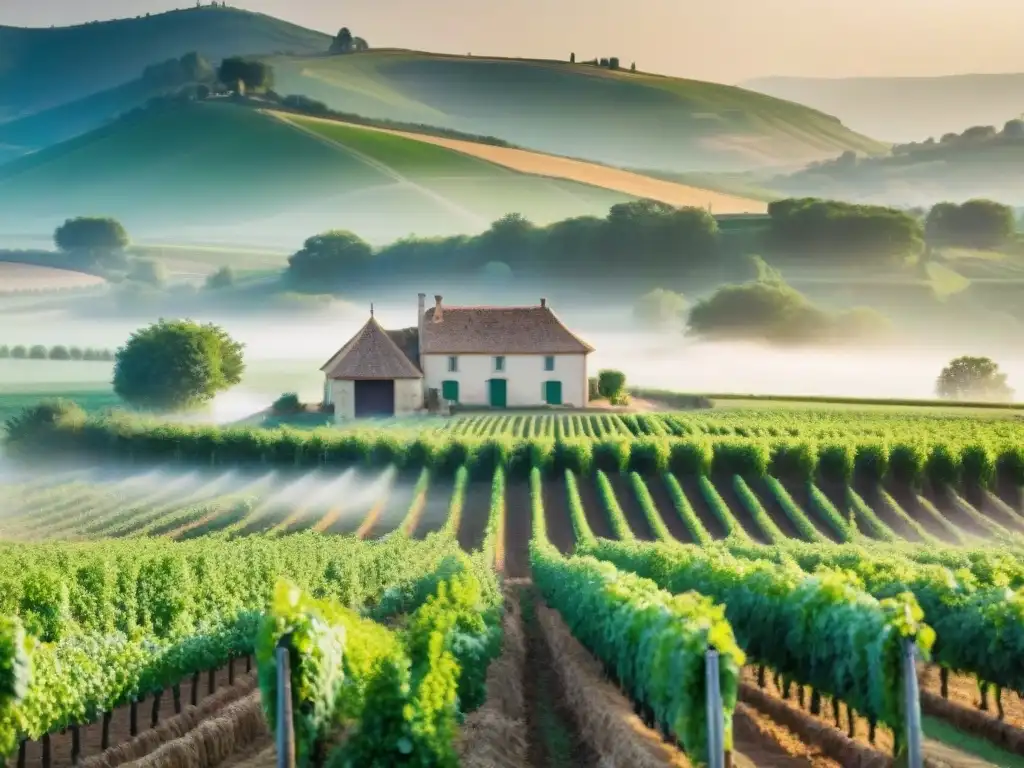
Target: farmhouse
<point>482,356</point>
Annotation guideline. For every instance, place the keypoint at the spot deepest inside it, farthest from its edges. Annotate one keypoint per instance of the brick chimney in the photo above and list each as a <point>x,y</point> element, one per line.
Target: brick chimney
<point>543,303</point>
<point>438,310</point>
<point>422,310</point>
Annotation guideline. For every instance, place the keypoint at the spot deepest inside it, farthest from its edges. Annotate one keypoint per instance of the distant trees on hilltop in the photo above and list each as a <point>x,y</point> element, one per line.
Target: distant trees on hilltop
<point>245,75</point>
<point>345,42</point>
<point>974,224</point>
<point>610,62</point>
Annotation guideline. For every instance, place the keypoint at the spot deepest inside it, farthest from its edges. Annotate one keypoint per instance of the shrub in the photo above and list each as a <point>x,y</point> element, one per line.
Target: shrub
<point>19,352</point>
<point>76,353</point>
<point>978,466</point>
<point>691,457</point>
<point>794,459</point>
<point>59,352</point>
<point>943,465</point>
<point>610,383</point>
<point>871,461</point>
<point>741,457</point>
<point>649,455</point>
<point>286,404</point>
<point>5,351</point>
<point>836,462</point>
<point>593,392</point>
<point>38,352</point>
<point>907,462</point>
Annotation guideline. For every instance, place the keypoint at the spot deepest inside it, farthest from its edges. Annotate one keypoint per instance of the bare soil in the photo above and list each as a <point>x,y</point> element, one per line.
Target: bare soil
<point>631,507</point>
<point>556,514</point>
<point>991,504</point>
<point>475,510</point>
<point>1012,494</point>
<point>120,722</point>
<point>963,691</point>
<point>518,529</point>
<point>393,511</point>
<point>663,501</point>
<point>553,736</point>
<point>435,511</point>
<point>597,516</point>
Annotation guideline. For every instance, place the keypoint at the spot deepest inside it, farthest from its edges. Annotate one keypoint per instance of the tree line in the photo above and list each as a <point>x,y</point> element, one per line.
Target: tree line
<point>57,352</point>
<point>655,242</point>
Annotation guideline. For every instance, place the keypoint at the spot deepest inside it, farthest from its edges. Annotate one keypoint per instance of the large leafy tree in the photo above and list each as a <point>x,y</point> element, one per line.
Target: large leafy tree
<point>973,378</point>
<point>253,75</point>
<point>329,258</point>
<point>97,240</point>
<point>172,365</point>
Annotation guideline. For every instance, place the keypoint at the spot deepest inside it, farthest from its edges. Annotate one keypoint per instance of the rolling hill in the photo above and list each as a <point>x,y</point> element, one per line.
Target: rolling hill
<point>977,163</point>
<point>628,119</point>
<point>219,172</point>
<point>44,68</point>
<point>905,108</point>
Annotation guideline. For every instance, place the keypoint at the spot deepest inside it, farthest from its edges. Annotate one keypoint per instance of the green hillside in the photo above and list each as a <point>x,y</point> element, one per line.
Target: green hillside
<point>980,162</point>
<point>619,117</point>
<point>43,68</point>
<point>217,172</point>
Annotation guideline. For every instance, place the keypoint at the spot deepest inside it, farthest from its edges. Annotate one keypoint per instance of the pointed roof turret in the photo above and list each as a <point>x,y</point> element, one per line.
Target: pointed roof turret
<point>371,354</point>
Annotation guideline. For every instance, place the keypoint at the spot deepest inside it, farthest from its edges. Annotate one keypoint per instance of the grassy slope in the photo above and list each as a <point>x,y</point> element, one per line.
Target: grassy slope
<point>576,110</point>
<point>218,172</point>
<point>42,68</point>
<point>905,108</point>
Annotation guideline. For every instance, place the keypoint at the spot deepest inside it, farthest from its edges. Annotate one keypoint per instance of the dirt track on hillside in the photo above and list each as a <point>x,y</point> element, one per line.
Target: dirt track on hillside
<point>555,167</point>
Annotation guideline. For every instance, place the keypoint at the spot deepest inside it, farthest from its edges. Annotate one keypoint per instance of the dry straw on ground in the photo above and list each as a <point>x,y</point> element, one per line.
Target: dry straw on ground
<point>603,715</point>
<point>172,728</point>
<point>580,171</point>
<point>214,740</point>
<point>495,735</point>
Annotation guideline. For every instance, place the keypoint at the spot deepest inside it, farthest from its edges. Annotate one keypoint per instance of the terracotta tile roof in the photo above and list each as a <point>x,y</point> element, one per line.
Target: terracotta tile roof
<point>499,330</point>
<point>372,354</point>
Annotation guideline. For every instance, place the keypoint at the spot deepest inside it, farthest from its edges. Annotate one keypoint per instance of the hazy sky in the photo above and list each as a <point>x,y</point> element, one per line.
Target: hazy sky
<point>724,40</point>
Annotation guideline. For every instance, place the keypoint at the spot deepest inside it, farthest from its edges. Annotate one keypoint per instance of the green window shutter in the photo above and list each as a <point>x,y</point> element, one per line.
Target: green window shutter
<point>549,363</point>
<point>450,391</point>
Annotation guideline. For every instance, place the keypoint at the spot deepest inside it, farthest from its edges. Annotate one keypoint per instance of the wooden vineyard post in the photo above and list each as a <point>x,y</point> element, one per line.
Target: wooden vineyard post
<point>285,725</point>
<point>912,704</point>
<point>715,716</point>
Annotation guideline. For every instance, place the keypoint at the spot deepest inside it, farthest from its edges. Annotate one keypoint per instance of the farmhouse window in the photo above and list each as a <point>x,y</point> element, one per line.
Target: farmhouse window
<point>499,364</point>
<point>453,364</point>
<point>549,363</point>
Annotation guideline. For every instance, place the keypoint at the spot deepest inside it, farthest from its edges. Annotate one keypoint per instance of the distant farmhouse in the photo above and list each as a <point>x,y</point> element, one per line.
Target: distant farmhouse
<point>499,357</point>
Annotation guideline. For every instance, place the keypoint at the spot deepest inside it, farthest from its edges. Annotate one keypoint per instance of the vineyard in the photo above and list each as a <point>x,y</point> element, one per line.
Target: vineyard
<point>419,568</point>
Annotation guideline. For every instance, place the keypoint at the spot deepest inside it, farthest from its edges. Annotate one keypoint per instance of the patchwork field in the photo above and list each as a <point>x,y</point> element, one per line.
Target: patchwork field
<point>665,123</point>
<point>198,164</point>
<point>555,167</point>
<point>825,536</point>
<point>15,278</point>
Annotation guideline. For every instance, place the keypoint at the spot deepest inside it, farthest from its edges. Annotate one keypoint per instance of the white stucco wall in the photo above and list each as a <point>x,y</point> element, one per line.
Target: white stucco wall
<point>408,397</point>
<point>525,375</point>
<point>343,395</point>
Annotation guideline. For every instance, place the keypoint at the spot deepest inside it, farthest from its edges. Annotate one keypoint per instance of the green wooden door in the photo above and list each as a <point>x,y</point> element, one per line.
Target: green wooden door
<point>450,391</point>
<point>499,393</point>
<point>553,392</point>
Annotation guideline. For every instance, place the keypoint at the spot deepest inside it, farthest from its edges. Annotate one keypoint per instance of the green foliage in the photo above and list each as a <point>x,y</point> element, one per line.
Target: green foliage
<point>40,423</point>
<point>328,259</point>
<point>973,378</point>
<point>286,404</point>
<point>610,384</point>
<point>148,271</point>
<point>15,662</point>
<point>653,642</point>
<point>660,309</point>
<point>177,364</point>
<point>788,621</point>
<point>96,236</point>
<point>221,279</point>
<point>815,229</point>
<point>315,638</point>
<point>983,224</point>
<point>250,74</point>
